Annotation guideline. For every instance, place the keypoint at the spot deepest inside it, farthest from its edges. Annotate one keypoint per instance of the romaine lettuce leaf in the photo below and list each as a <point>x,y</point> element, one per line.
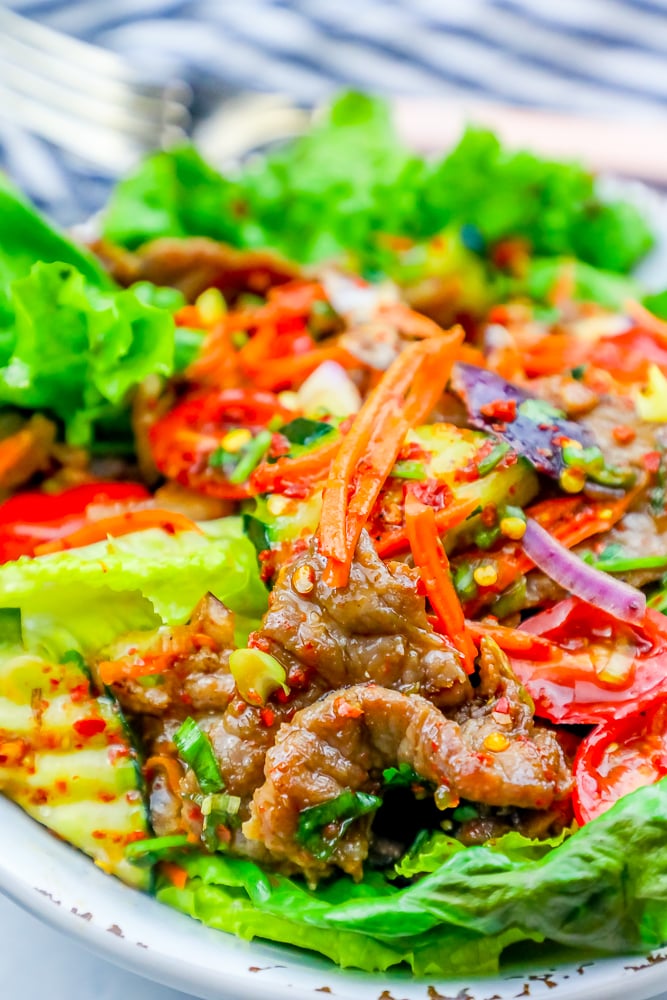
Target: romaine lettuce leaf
<point>603,888</point>
<point>78,349</point>
<point>84,598</point>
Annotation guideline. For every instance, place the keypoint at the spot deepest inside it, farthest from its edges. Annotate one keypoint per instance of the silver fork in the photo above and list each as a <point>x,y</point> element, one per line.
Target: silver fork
<point>91,102</point>
<point>82,98</point>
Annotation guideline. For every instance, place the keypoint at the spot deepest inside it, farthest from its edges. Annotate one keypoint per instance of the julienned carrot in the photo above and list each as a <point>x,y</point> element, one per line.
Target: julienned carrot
<point>511,640</point>
<point>281,372</point>
<point>120,524</point>
<point>405,396</point>
<point>645,319</point>
<point>176,875</point>
<point>431,561</point>
<point>397,541</point>
<point>126,668</point>
<point>274,477</point>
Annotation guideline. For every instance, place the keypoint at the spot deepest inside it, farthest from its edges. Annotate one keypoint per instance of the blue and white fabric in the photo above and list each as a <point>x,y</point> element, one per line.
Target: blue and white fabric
<point>605,57</point>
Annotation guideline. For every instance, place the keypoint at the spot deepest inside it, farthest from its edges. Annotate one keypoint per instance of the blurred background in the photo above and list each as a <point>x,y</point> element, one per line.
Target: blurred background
<point>597,59</point>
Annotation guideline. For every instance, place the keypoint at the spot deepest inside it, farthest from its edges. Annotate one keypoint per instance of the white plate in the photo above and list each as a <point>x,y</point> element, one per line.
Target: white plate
<point>62,887</point>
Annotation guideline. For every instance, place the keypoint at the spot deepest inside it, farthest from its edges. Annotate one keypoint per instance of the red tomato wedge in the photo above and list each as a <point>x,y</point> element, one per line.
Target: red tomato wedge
<point>599,669</point>
<point>619,757</point>
<point>184,440</point>
<point>29,520</point>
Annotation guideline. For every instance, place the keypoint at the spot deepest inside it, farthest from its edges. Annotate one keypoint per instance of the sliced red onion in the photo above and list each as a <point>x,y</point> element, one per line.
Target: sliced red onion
<point>588,584</point>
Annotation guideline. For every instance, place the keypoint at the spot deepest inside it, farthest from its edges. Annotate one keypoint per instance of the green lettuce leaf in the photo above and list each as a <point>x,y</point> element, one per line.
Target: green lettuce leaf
<point>79,349</point>
<point>603,888</point>
<point>26,237</point>
<point>339,188</point>
<point>591,284</point>
<point>84,598</point>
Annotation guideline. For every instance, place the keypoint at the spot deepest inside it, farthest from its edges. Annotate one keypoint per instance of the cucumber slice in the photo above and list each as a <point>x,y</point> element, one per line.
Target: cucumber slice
<point>66,758</point>
<point>280,520</point>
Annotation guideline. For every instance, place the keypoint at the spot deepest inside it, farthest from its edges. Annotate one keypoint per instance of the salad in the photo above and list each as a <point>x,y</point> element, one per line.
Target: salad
<point>333,545</point>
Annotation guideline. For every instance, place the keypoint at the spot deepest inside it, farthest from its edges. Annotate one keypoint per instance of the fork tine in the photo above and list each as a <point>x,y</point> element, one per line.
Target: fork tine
<point>114,152</point>
<point>25,58</point>
<point>98,62</point>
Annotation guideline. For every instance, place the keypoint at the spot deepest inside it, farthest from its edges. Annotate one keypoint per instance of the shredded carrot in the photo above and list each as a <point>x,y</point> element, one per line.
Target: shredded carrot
<point>176,875</point>
<point>281,372</point>
<point>409,322</point>
<point>565,286</point>
<point>511,640</point>
<point>645,319</point>
<point>172,770</point>
<point>449,517</point>
<point>405,396</point>
<point>127,668</point>
<point>308,468</point>
<point>120,524</point>
<point>431,560</point>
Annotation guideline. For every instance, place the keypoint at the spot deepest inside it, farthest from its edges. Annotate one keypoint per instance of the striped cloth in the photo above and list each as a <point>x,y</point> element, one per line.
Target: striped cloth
<point>604,57</point>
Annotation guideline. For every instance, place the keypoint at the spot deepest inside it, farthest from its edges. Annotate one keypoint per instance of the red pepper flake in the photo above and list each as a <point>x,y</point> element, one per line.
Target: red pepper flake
<point>106,796</point>
<point>623,434</point>
<point>503,410</point>
<point>79,692</point>
<point>118,753</point>
<point>99,835</point>
<point>489,516</point>
<point>87,728</point>
<point>433,493</point>
<point>502,706</point>
<point>260,642</point>
<point>651,461</point>
<point>132,838</point>
<point>268,716</point>
<point>346,711</point>
<point>61,787</point>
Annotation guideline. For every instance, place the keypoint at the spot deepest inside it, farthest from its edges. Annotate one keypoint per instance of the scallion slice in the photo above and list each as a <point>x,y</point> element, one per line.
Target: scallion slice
<point>195,748</point>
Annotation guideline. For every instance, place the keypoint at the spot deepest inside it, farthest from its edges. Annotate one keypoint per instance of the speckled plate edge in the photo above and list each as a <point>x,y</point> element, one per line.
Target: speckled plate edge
<point>61,887</point>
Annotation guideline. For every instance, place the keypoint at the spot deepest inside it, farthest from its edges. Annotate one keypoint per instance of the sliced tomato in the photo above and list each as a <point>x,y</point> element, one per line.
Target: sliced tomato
<point>619,757</point>
<point>29,520</point>
<point>599,669</point>
<point>184,440</point>
<point>628,356</point>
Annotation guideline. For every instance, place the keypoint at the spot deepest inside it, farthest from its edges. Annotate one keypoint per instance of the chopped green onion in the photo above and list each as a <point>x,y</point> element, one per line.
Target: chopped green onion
<point>251,456</point>
<point>195,748</point>
<point>257,532</point>
<point>305,432</point>
<point>627,565</point>
<point>539,411</point>
<point>486,537</point>
<point>592,461</point>
<point>239,339</point>
<point>146,853</point>
<point>151,680</point>
<point>490,461</point>
<point>464,582</point>
<point>344,809</point>
<point>218,810</point>
<point>10,626</point>
<point>511,600</point>
<point>578,372</point>
<point>462,814</point>
<point>401,777</point>
<point>257,675</point>
<point>409,470</point>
